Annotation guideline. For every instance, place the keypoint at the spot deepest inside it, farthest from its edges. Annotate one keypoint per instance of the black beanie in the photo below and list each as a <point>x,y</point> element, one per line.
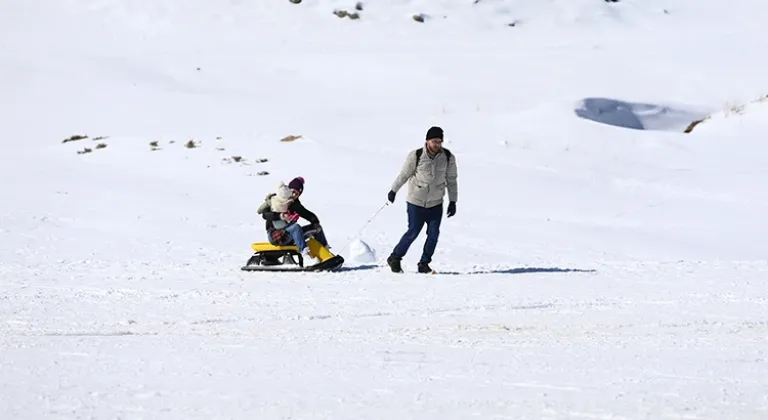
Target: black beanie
<point>434,133</point>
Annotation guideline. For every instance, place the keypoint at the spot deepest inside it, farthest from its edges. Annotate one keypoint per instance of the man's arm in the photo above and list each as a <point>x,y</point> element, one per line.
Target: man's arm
<point>452,175</point>
<point>408,170</point>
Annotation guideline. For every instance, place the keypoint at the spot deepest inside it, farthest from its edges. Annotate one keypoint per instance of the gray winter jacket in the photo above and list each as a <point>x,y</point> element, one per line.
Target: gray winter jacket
<point>427,182</point>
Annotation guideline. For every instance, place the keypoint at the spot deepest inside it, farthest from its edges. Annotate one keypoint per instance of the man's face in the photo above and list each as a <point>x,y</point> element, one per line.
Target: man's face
<point>434,145</point>
<point>295,194</point>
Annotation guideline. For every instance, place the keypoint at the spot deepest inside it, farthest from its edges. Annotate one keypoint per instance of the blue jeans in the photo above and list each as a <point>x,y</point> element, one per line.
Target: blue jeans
<point>320,236</point>
<point>297,234</point>
<point>417,217</point>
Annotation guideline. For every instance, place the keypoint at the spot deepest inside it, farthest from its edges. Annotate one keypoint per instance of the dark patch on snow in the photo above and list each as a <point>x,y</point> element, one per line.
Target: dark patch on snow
<point>359,268</point>
<point>637,116</point>
<point>520,270</point>
<point>517,270</point>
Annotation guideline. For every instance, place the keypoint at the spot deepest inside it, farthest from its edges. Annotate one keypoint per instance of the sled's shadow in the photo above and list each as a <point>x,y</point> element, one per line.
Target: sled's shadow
<point>358,268</point>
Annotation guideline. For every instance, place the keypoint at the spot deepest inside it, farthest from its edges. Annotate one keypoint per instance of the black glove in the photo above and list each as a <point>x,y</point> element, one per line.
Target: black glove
<point>391,196</point>
<point>451,208</point>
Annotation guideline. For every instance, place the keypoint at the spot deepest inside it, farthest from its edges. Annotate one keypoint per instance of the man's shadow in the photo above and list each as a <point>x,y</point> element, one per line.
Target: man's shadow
<point>519,270</point>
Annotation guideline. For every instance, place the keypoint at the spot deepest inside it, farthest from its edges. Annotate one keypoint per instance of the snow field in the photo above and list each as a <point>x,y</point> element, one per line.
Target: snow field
<point>602,264</point>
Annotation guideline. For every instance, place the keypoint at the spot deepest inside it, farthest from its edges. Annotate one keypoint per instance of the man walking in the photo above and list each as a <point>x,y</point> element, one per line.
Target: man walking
<point>429,171</point>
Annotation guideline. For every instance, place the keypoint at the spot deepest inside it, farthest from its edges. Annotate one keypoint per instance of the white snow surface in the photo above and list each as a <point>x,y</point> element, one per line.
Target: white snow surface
<point>602,263</point>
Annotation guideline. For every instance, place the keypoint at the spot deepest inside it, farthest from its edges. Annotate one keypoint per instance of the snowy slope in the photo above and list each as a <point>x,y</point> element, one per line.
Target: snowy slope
<point>605,263</point>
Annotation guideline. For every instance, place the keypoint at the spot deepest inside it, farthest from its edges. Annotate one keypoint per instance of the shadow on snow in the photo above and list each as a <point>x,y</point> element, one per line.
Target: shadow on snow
<point>637,116</point>
<point>519,270</point>
<point>357,268</point>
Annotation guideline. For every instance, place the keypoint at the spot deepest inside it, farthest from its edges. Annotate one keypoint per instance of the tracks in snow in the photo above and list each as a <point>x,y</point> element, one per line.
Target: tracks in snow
<point>644,299</point>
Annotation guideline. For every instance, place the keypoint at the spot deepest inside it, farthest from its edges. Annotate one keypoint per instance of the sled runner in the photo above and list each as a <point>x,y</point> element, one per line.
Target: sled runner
<point>268,257</point>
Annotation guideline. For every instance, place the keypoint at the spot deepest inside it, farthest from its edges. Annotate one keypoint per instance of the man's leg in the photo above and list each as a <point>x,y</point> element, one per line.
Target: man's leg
<point>416,221</point>
<point>434,216</point>
<point>297,234</point>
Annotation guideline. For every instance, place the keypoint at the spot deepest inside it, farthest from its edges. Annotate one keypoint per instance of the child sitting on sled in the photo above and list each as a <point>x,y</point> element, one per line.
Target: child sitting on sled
<point>280,203</point>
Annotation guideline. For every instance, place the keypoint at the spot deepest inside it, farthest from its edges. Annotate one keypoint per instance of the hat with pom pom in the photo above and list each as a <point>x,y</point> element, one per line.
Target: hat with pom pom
<point>297,184</point>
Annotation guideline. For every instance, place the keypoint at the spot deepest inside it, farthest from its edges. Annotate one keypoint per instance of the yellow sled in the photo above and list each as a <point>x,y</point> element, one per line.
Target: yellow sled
<point>268,257</point>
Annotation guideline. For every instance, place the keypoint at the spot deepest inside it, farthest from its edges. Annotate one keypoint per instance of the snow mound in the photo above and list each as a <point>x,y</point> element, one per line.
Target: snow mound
<point>361,252</point>
<point>737,117</point>
<point>638,116</point>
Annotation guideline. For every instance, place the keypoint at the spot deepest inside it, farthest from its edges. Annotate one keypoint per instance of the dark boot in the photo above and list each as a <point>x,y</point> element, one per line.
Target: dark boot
<point>394,264</point>
<point>424,268</point>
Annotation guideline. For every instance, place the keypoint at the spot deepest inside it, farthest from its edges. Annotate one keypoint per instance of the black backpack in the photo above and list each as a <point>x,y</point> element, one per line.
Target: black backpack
<point>420,151</point>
